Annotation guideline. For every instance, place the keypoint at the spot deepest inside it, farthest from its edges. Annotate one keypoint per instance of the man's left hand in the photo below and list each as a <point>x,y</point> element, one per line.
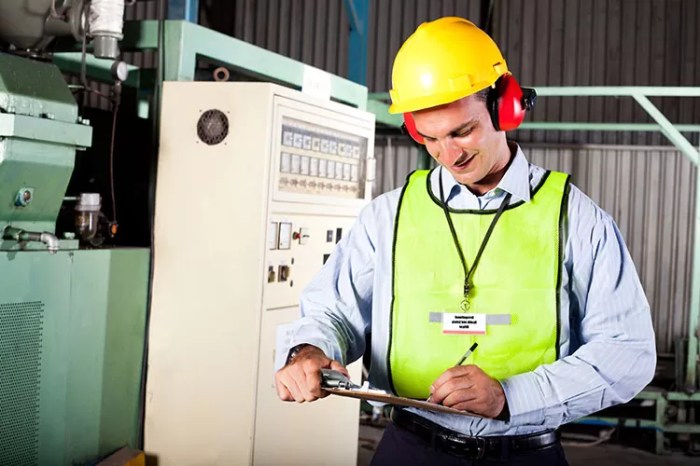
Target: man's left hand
<point>468,388</point>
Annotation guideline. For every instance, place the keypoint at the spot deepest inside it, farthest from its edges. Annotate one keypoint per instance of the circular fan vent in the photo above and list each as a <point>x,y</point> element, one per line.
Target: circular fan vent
<point>212,127</point>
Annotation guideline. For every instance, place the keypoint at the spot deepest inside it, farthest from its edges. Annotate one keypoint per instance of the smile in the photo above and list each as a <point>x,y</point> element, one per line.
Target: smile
<point>462,161</point>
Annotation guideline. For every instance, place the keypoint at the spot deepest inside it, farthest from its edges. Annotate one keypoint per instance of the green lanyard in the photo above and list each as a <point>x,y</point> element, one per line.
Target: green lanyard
<point>468,273</point>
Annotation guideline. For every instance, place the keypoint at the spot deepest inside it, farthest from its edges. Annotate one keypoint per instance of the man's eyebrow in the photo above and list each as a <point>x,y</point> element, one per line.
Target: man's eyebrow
<point>456,130</point>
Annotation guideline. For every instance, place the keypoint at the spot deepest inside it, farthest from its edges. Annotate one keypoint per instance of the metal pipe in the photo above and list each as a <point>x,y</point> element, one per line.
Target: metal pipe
<point>106,20</point>
<point>19,235</point>
<point>50,241</point>
<point>613,91</point>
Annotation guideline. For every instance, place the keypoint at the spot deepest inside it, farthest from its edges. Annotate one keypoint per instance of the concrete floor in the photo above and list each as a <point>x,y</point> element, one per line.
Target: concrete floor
<point>600,455</point>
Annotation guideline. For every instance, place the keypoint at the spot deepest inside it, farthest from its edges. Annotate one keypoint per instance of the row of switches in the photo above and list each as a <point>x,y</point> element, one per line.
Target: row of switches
<point>281,275</point>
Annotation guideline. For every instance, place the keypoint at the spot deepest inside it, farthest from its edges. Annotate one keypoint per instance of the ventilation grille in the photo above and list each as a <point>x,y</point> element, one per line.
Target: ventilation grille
<point>21,327</point>
<point>212,127</point>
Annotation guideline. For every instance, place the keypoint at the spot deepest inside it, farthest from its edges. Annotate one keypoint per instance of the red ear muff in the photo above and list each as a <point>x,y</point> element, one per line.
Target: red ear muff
<point>508,102</point>
<point>410,126</point>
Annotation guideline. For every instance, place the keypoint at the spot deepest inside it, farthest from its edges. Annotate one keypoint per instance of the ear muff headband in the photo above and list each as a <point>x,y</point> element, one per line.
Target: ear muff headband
<point>507,103</point>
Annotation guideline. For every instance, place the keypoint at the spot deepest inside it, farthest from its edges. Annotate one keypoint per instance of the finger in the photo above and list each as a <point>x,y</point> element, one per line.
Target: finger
<point>465,395</point>
<point>281,380</point>
<point>449,374</point>
<point>452,385</point>
<point>282,391</point>
<point>296,390</point>
<point>467,406</point>
<point>336,366</point>
<point>312,388</point>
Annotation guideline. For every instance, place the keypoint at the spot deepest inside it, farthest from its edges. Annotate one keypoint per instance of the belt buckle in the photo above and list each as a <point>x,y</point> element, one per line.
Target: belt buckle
<point>480,448</point>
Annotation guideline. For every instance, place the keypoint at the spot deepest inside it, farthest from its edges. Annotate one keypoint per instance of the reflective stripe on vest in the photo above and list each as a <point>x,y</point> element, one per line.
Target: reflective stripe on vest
<point>518,274</point>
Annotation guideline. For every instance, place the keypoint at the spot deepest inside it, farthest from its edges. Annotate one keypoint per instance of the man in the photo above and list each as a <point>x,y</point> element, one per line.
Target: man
<point>484,249</point>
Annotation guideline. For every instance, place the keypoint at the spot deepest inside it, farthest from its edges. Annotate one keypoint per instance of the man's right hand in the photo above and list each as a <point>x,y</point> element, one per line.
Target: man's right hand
<point>300,380</point>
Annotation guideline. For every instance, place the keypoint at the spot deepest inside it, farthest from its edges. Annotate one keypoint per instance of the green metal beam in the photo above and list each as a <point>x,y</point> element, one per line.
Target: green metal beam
<point>140,35</point>
<point>612,91</point>
<point>382,115</point>
<point>96,68</point>
<point>43,129</point>
<point>682,428</point>
<point>617,91</point>
<point>185,42</point>
<point>649,424</point>
<point>382,96</point>
<point>579,126</point>
<point>682,396</point>
<point>667,128</point>
<point>613,421</point>
<point>647,394</point>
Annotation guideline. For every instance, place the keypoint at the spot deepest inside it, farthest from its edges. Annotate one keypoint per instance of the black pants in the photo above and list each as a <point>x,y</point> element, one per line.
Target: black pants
<point>399,446</point>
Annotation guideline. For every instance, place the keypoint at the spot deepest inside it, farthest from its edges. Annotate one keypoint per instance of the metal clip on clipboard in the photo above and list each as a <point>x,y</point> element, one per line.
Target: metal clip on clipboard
<point>334,379</point>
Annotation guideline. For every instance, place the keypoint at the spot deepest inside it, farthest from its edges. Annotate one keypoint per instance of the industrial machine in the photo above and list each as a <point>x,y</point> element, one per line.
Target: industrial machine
<point>72,317</point>
<point>256,184</point>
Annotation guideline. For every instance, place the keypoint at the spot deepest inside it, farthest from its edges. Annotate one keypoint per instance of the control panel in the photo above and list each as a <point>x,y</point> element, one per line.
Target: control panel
<point>316,159</point>
<point>256,185</point>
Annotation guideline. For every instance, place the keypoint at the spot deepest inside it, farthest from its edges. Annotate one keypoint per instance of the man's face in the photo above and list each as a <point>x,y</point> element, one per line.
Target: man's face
<point>461,137</point>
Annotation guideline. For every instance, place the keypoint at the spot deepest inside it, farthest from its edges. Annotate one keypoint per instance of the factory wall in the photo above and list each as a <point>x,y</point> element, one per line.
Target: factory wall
<point>546,43</point>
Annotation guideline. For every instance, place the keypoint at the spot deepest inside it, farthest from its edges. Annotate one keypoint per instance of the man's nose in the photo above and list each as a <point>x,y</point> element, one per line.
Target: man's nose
<point>448,147</point>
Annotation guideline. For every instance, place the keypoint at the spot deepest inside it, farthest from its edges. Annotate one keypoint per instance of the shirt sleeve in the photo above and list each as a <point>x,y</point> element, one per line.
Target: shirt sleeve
<point>336,305</point>
<point>613,352</point>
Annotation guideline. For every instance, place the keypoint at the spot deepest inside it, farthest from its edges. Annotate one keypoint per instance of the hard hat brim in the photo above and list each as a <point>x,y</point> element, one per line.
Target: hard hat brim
<point>430,101</point>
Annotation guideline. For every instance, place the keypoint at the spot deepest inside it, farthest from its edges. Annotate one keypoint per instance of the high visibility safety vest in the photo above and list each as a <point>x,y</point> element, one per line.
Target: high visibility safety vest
<point>517,278</point>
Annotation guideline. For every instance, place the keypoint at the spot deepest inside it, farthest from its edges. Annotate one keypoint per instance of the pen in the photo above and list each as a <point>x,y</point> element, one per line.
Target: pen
<point>467,354</point>
<point>459,363</point>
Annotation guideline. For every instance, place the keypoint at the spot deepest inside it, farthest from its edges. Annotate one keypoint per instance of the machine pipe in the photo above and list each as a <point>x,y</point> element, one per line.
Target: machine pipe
<point>106,20</point>
<point>19,235</point>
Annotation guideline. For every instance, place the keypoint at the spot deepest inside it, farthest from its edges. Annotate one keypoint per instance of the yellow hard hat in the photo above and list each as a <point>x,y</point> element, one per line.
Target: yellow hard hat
<point>443,61</point>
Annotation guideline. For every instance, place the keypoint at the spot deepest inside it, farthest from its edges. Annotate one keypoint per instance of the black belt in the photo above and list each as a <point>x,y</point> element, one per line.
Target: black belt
<point>457,444</point>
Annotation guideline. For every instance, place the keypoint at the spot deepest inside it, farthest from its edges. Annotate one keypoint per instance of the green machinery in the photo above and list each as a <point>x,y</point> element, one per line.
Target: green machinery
<point>72,320</point>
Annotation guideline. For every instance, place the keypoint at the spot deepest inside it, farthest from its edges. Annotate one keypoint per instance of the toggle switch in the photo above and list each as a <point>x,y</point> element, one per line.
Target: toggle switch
<point>304,232</point>
<point>302,235</point>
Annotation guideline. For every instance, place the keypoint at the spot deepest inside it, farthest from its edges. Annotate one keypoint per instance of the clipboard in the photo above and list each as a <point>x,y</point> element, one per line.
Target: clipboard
<point>336,383</point>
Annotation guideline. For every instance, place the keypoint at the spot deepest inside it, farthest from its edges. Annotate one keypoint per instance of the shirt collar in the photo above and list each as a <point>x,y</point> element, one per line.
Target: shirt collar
<point>515,181</point>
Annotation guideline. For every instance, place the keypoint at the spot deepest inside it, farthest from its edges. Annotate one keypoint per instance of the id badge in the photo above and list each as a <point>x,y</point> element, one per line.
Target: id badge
<point>464,324</point>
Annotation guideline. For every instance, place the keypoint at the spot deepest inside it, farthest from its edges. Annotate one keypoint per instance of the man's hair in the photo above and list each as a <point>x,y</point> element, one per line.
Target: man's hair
<point>483,94</point>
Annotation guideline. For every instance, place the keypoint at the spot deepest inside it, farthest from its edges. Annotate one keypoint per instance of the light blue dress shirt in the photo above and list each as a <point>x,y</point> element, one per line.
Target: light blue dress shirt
<point>607,342</point>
